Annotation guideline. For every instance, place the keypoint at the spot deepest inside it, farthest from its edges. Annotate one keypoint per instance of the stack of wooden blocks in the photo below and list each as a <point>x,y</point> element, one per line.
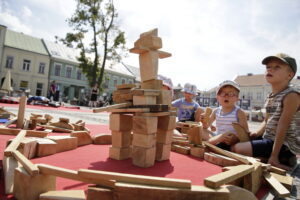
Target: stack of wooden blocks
<point>147,114</point>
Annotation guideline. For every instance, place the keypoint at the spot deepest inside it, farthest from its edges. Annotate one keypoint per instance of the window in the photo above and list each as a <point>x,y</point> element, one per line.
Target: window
<point>26,65</point>
<point>79,74</point>
<point>42,68</point>
<point>57,70</point>
<point>130,81</point>
<point>39,89</point>
<point>23,85</point>
<point>123,81</point>
<point>68,72</point>
<point>106,83</point>
<point>259,96</point>
<point>115,82</point>
<point>9,62</point>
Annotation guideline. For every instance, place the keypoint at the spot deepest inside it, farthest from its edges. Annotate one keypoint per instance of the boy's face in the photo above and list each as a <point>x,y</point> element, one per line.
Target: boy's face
<point>278,71</point>
<point>188,96</point>
<point>228,96</point>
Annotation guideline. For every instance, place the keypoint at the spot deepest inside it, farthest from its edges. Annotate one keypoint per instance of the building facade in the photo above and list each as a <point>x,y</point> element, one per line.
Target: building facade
<point>28,61</point>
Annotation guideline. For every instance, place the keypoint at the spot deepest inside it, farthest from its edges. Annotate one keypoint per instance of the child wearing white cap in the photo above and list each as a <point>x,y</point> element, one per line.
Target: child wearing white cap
<point>225,115</point>
<point>188,109</point>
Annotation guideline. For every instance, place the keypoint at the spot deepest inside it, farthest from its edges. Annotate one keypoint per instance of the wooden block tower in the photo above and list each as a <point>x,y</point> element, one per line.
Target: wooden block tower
<point>146,112</point>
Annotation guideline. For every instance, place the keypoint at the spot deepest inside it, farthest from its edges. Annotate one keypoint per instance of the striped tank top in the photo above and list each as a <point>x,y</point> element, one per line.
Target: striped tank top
<point>274,107</point>
<point>224,120</point>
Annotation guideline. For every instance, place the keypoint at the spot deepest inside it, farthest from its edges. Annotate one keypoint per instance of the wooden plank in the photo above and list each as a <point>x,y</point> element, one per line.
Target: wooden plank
<point>130,110</point>
<point>125,86</point>
<point>9,166</point>
<point>220,160</point>
<point>240,193</point>
<point>21,111</point>
<point>73,175</point>
<point>29,166</point>
<point>108,108</point>
<point>222,178</point>
<point>229,154</point>
<point>135,179</point>
<point>12,121</point>
<point>153,114</point>
<point>287,180</point>
<point>276,185</point>
<point>6,111</point>
<point>145,92</point>
<point>15,143</point>
<point>242,133</point>
<point>152,84</point>
<point>29,133</point>
<point>57,129</point>
<point>63,195</point>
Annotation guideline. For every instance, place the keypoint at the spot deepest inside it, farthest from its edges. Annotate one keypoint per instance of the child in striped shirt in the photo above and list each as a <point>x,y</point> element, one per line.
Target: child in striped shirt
<point>225,115</point>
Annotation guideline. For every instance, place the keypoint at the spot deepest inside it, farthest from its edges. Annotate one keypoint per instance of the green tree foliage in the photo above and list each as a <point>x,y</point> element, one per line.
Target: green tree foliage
<point>94,24</point>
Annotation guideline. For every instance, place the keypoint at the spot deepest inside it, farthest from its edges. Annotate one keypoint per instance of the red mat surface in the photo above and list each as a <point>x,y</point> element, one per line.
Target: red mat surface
<point>95,157</point>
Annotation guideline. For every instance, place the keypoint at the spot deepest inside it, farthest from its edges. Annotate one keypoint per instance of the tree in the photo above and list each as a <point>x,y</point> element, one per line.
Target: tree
<point>95,19</point>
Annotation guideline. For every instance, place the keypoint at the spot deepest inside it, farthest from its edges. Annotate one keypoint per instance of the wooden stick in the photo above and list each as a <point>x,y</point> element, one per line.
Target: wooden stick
<point>29,133</point>
<point>138,179</point>
<point>3,110</point>
<point>15,143</point>
<point>276,185</point>
<point>229,154</point>
<point>130,110</point>
<point>108,108</point>
<point>73,175</point>
<point>12,121</point>
<point>21,112</point>
<point>222,178</point>
<point>29,166</point>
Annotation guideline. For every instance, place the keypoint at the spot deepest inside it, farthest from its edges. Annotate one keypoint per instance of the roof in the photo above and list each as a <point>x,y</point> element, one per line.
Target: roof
<point>251,80</point>
<point>24,42</point>
<point>118,68</point>
<point>135,71</point>
<point>62,52</point>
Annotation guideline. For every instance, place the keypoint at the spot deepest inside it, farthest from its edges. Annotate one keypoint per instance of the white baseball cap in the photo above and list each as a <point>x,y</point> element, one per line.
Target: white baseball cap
<point>189,88</point>
<point>228,82</point>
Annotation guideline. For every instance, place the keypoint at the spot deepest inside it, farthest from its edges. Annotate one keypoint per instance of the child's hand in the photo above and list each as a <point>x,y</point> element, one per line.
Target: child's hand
<point>253,135</point>
<point>230,138</point>
<point>275,162</point>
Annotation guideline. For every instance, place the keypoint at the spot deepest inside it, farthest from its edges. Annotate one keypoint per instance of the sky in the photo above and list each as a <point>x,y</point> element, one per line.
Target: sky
<point>210,40</point>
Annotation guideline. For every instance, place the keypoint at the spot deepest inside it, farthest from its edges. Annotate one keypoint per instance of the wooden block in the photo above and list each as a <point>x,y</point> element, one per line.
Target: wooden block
<point>144,125</point>
<point>62,124</point>
<point>166,122</point>
<point>198,152</point>
<point>165,97</point>
<point>154,108</point>
<point>195,134</point>
<point>154,84</point>
<point>64,143</point>
<point>121,138</point>
<point>27,147</point>
<point>162,151</point>
<point>145,92</point>
<point>119,153</point>
<point>21,111</point>
<point>142,140</point>
<point>153,114</point>
<point>108,108</point>
<point>30,187</point>
<point>181,149</point>
<point>148,65</point>
<point>242,133</point>
<point>276,185</point>
<point>207,114</point>
<point>29,166</point>
<point>45,147</point>
<point>73,175</point>
<point>120,122</point>
<point>286,181</point>
<point>144,100</point>
<point>253,181</point>
<point>222,178</point>
<point>129,110</point>
<point>135,179</point>
<point>94,193</point>
<point>65,120</point>
<point>125,86</point>
<point>143,157</point>
<point>15,143</point>
<point>220,160</point>
<point>9,166</point>
<point>128,191</point>
<point>150,42</point>
<point>63,195</point>
<point>180,143</point>
<point>164,136</point>
<point>83,137</point>
<point>102,139</point>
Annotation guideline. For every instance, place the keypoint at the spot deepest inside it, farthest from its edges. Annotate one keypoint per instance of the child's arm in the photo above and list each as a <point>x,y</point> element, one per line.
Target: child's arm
<point>260,131</point>
<point>291,104</point>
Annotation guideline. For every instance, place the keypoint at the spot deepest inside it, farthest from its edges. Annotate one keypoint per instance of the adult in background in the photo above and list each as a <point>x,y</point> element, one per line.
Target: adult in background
<point>94,94</point>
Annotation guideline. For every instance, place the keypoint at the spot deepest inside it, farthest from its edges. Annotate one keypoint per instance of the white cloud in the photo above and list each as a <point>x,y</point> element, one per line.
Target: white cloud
<point>14,23</point>
<point>26,12</point>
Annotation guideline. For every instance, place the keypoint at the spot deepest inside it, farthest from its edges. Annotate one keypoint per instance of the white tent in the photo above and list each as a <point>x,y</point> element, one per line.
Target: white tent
<point>6,86</point>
